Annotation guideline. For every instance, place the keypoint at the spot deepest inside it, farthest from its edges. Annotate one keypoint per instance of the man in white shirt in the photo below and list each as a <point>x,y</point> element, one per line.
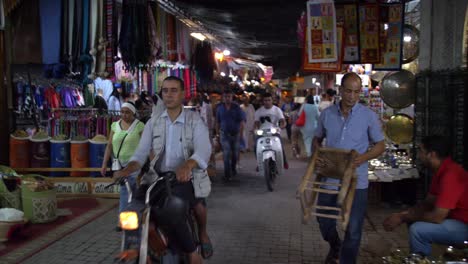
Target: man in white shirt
<point>272,111</point>
<point>276,116</point>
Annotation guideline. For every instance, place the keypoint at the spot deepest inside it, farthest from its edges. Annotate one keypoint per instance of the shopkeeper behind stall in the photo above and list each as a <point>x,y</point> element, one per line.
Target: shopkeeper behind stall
<point>124,137</point>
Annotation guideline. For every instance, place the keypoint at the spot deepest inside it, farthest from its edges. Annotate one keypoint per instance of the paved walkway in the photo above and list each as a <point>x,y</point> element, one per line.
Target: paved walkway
<point>247,224</point>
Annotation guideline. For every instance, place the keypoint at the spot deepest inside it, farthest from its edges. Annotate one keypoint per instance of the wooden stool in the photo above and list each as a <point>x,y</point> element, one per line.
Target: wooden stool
<point>329,163</point>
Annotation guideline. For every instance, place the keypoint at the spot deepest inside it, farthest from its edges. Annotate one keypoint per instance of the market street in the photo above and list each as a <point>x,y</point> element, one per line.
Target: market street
<point>247,224</point>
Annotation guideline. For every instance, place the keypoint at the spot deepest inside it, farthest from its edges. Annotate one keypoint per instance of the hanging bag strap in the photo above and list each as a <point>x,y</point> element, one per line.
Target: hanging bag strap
<point>121,144</point>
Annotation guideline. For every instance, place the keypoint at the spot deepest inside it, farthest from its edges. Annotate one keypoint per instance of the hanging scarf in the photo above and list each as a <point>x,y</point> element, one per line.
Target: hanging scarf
<point>70,34</point>
<point>152,35</point>
<point>50,14</point>
<point>133,41</point>
<point>110,36</point>
<point>64,34</point>
<point>102,43</point>
<point>171,38</point>
<point>85,59</point>
<point>93,33</point>
<point>162,31</point>
<point>76,38</point>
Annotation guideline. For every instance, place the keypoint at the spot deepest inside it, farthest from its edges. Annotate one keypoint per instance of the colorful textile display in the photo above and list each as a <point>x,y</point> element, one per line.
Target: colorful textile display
<point>369,33</point>
<point>326,66</point>
<point>391,35</point>
<point>347,15</point>
<point>321,37</point>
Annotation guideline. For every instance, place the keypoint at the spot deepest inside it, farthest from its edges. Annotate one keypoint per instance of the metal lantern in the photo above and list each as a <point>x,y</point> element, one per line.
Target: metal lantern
<point>399,129</point>
<point>397,89</point>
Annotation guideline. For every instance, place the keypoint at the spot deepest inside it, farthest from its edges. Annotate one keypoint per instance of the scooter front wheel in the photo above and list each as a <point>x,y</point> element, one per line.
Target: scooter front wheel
<point>269,174</point>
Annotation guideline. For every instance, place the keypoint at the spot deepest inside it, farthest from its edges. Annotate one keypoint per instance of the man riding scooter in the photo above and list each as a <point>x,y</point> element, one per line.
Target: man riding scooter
<point>179,141</point>
<point>276,118</point>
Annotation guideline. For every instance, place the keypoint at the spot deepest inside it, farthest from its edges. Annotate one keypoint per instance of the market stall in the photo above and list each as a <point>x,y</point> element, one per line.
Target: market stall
<point>78,53</point>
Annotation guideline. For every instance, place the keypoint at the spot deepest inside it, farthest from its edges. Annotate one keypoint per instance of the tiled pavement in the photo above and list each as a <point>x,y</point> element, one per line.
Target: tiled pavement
<point>247,224</point>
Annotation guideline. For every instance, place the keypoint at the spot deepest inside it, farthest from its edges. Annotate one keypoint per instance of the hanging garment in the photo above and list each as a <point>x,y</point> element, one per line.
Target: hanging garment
<point>97,38</point>
<point>52,97</point>
<point>70,24</point>
<point>110,36</point>
<point>64,32</point>
<point>93,34</point>
<point>50,13</point>
<point>162,31</point>
<point>153,36</point>
<point>68,99</point>
<point>77,35</point>
<point>133,41</point>
<point>26,22</point>
<point>85,59</point>
<point>88,94</point>
<point>39,96</point>
<point>171,38</point>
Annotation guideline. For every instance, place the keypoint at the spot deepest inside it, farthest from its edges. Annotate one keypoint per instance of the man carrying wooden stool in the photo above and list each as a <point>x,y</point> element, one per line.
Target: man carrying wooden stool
<point>443,216</point>
<point>348,125</point>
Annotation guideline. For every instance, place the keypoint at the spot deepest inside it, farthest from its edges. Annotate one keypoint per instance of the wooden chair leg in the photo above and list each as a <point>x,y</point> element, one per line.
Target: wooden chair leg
<point>348,203</point>
<point>303,192</point>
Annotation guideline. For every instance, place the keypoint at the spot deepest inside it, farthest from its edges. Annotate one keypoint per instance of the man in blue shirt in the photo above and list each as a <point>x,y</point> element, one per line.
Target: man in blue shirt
<point>349,125</point>
<point>229,126</point>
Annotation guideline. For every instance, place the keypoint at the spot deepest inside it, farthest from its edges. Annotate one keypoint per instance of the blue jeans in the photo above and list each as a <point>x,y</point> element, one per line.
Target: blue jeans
<point>350,245</point>
<point>124,193</point>
<point>230,144</point>
<point>423,234</point>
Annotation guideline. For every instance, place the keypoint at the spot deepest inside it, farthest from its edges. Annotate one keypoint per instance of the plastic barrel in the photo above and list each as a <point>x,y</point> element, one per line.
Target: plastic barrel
<point>96,155</point>
<point>39,207</point>
<point>40,151</point>
<point>59,156</point>
<point>79,157</point>
<point>19,152</point>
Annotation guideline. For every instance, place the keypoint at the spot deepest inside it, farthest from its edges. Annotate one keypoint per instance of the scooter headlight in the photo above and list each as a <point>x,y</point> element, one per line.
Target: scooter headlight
<point>273,130</point>
<point>259,132</point>
<point>128,220</point>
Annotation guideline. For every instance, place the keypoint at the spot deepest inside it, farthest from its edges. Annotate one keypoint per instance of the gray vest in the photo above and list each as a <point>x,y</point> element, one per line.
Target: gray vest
<point>159,140</point>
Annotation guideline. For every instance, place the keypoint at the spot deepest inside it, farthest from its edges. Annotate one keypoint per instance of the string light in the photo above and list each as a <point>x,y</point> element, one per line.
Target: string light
<point>198,36</point>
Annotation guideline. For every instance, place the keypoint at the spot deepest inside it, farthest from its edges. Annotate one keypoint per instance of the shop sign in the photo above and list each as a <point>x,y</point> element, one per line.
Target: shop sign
<point>71,187</point>
<point>100,188</point>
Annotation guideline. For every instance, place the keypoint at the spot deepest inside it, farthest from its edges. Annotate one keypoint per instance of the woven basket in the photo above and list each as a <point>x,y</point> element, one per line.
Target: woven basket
<point>5,227</point>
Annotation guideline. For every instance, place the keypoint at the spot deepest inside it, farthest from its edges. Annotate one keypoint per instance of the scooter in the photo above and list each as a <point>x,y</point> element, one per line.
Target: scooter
<point>269,152</point>
<point>142,241</point>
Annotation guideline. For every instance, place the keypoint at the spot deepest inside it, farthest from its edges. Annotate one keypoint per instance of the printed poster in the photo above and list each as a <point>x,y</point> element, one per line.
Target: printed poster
<point>391,36</point>
<point>347,15</point>
<point>321,31</point>
<point>369,33</point>
<point>327,66</point>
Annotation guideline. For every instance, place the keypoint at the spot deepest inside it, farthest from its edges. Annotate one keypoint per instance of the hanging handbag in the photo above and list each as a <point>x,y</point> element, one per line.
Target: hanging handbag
<point>115,161</point>
<point>300,122</point>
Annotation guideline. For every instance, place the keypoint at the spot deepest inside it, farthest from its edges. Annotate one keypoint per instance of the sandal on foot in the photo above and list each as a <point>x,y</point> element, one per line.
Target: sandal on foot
<point>206,250</point>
